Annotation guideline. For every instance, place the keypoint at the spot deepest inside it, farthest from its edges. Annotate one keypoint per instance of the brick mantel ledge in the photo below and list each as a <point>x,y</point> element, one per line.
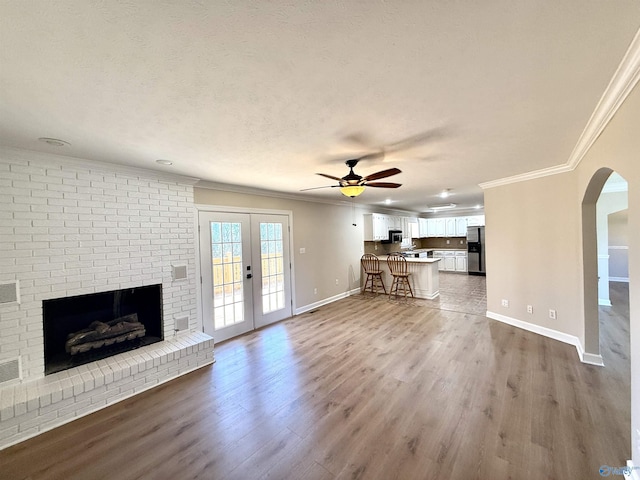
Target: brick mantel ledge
<point>30,408</point>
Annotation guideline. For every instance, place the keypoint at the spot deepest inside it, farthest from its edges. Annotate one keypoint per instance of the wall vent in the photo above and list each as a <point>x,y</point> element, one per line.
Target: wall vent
<point>179,272</point>
<point>9,292</point>
<point>10,370</point>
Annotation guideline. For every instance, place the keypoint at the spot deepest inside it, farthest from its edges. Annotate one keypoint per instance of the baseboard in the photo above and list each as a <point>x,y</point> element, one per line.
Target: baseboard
<point>589,358</point>
<point>604,302</point>
<point>632,472</point>
<point>326,301</point>
<point>619,279</point>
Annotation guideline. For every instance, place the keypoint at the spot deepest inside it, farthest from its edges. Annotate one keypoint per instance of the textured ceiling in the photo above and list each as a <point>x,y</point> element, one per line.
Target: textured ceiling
<point>265,94</point>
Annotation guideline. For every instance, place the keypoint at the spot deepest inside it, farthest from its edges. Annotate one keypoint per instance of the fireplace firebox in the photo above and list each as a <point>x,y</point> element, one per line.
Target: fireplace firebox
<point>86,328</point>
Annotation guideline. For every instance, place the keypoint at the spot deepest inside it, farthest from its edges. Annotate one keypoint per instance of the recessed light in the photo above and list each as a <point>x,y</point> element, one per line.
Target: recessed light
<point>164,162</point>
<point>477,207</point>
<point>445,193</point>
<point>387,201</point>
<point>56,142</point>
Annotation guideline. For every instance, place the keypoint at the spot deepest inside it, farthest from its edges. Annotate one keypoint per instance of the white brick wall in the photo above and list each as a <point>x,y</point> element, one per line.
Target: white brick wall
<point>70,228</point>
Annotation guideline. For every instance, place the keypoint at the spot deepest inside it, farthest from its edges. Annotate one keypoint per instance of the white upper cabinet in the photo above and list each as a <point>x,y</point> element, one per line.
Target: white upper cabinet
<point>475,221</point>
<point>461,226</point>
<point>376,227</point>
<point>450,227</point>
<point>422,227</point>
<point>410,227</point>
<point>436,227</point>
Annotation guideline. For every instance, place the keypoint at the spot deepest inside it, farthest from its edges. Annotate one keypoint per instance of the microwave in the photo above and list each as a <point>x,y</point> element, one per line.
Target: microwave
<point>395,236</point>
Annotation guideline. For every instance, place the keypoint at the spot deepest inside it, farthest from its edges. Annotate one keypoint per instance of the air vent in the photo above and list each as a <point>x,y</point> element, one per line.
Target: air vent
<point>10,370</point>
<point>179,272</point>
<point>9,293</point>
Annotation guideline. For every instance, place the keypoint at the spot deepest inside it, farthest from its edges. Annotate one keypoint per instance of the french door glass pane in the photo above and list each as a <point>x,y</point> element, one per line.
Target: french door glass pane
<point>226,254</point>
<point>271,251</point>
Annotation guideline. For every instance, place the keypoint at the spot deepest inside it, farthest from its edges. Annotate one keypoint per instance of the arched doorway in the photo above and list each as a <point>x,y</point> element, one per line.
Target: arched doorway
<point>592,235</point>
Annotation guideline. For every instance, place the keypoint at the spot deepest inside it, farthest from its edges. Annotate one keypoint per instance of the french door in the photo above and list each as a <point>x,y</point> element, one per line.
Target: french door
<point>246,275</point>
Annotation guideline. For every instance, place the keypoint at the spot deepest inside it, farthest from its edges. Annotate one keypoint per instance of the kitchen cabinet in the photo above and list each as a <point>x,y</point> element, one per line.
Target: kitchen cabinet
<point>475,221</point>
<point>461,226</point>
<point>439,254</point>
<point>436,227</point>
<point>375,227</point>
<point>461,262</point>
<point>450,227</point>
<point>410,227</point>
<point>422,227</point>
<point>451,260</point>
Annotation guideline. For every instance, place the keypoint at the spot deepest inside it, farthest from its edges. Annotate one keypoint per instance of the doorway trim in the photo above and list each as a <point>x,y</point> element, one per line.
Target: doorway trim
<point>230,209</point>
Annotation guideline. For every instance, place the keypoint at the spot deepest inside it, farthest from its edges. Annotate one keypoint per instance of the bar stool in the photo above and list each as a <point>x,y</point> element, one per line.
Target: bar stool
<point>398,267</point>
<point>371,266</point>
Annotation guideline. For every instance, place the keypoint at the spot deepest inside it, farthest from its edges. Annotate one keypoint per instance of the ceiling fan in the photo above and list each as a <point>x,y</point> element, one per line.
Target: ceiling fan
<point>352,184</point>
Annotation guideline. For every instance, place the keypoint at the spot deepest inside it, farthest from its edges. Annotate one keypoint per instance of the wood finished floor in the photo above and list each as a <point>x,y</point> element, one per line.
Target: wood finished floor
<point>363,389</point>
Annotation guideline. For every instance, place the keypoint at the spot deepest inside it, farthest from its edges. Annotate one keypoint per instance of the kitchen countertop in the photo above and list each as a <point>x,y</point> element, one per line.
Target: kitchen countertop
<point>413,259</point>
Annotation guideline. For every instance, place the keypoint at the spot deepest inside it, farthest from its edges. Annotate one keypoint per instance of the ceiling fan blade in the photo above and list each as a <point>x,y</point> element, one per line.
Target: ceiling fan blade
<point>317,188</point>
<point>382,174</point>
<point>383,185</point>
<point>337,179</point>
<point>379,155</point>
<point>417,139</point>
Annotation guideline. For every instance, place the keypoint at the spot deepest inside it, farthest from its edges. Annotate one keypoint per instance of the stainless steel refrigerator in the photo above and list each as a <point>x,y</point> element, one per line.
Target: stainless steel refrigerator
<point>475,251</point>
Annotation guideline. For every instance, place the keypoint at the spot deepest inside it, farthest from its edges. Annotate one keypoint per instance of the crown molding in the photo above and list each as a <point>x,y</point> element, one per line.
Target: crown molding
<point>227,187</point>
<point>620,86</point>
<point>545,172</point>
<point>624,79</point>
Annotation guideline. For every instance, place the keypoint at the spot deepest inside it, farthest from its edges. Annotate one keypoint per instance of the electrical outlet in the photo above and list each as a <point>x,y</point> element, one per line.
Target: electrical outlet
<point>505,302</point>
<point>337,282</point>
<point>315,291</point>
<point>375,246</point>
<point>303,250</point>
<point>552,314</point>
<point>529,308</point>
<point>461,242</point>
<point>448,242</point>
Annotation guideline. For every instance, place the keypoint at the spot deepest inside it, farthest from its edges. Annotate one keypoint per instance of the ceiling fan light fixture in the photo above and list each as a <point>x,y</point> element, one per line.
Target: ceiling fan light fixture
<point>352,190</point>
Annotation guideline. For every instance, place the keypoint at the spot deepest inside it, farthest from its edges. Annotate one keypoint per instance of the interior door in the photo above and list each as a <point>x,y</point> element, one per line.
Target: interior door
<point>227,299</point>
<point>272,277</point>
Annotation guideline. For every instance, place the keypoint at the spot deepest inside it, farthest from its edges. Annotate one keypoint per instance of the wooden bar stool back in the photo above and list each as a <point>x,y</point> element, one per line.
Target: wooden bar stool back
<point>371,266</point>
<point>398,267</point>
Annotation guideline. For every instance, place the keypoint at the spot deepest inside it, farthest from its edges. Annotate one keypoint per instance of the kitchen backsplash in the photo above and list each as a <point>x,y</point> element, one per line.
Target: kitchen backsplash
<point>433,242</point>
<point>440,242</point>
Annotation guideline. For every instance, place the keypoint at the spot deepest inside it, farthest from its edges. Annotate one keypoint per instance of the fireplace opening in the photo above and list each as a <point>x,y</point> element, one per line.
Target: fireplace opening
<point>86,328</point>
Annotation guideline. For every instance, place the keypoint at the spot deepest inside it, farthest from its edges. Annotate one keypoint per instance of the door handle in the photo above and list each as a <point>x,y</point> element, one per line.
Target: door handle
<point>249,275</point>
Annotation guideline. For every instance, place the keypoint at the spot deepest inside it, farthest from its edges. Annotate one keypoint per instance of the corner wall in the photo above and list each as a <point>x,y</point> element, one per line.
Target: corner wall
<point>534,242</point>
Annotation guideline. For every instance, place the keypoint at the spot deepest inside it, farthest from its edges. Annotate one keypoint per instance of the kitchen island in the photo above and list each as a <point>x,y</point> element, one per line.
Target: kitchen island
<point>424,279</point>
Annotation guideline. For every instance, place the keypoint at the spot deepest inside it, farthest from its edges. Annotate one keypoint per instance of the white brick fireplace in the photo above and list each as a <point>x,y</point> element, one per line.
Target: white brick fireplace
<point>70,227</point>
